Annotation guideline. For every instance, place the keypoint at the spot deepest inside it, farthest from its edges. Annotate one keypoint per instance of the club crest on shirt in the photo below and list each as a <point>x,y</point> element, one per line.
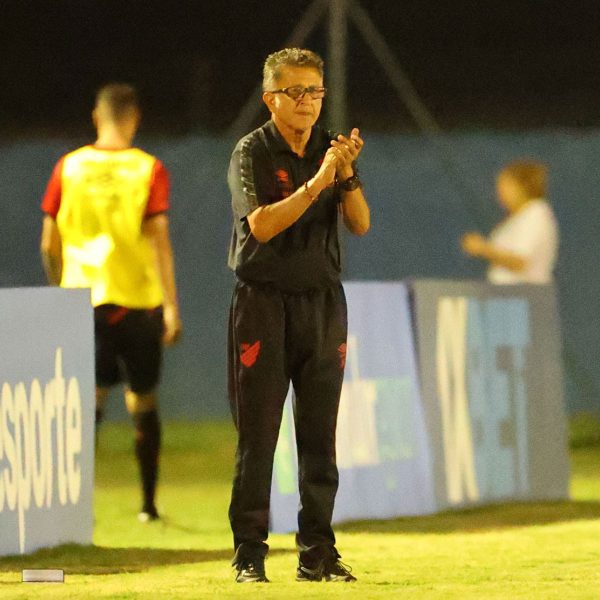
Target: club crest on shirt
<point>284,183</point>
<point>249,353</point>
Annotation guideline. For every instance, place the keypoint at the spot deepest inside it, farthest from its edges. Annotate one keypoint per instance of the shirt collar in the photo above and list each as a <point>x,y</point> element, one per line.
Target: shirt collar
<point>279,144</point>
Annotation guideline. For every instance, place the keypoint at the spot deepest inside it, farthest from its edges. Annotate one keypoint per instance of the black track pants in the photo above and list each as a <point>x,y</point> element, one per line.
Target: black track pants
<point>275,338</point>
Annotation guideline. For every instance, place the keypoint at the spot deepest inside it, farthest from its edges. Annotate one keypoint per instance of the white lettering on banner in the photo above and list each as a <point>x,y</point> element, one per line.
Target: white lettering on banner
<point>357,441</point>
<point>461,481</point>
<point>36,432</point>
<point>26,445</point>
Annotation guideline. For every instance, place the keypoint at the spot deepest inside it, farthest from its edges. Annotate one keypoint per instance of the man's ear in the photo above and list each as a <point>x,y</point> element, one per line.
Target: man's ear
<point>269,100</point>
<point>138,117</point>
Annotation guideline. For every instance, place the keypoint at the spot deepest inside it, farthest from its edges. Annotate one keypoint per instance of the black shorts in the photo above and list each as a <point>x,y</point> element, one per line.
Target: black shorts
<point>128,347</point>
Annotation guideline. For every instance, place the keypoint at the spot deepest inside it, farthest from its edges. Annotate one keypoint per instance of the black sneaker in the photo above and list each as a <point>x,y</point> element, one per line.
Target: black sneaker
<point>328,569</point>
<point>251,570</point>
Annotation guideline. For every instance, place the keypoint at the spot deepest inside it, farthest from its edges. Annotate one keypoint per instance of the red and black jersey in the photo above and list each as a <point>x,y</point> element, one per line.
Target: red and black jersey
<point>264,170</point>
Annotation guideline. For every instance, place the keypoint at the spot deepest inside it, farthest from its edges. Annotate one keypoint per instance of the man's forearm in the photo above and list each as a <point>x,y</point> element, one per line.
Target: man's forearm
<point>357,216</point>
<point>51,251</point>
<point>52,267</point>
<point>270,220</point>
<point>156,230</point>
<point>166,269</point>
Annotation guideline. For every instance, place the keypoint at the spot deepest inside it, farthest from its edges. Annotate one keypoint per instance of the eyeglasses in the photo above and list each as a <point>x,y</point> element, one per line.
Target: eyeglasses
<point>296,92</point>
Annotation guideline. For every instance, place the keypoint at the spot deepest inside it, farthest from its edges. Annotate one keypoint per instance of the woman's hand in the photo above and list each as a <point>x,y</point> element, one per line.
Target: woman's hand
<point>474,244</point>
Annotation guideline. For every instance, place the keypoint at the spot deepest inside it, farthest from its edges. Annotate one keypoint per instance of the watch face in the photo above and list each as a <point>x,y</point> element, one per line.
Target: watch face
<point>352,184</point>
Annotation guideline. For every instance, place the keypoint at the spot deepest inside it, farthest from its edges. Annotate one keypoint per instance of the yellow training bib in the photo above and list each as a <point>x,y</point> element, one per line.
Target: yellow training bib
<point>104,195</point>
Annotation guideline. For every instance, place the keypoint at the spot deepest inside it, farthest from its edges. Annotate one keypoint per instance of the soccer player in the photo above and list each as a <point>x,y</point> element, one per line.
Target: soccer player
<point>523,248</point>
<point>106,228</point>
<point>290,182</point>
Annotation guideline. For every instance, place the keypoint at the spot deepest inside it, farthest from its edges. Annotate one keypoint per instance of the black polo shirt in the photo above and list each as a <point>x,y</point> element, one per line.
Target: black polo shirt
<point>264,170</point>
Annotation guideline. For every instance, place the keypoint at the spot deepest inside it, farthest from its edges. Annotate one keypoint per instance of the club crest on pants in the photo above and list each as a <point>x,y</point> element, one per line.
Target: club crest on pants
<point>249,353</point>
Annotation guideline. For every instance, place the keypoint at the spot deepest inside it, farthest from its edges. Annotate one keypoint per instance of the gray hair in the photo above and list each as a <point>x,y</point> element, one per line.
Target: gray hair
<point>292,57</point>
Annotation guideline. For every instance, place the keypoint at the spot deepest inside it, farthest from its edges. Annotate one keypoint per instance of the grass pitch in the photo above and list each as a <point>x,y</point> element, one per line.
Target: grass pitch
<point>515,551</point>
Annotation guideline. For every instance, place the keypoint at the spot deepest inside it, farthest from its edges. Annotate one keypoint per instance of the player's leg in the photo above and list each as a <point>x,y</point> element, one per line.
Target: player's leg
<point>143,409</point>
<point>140,352</point>
<point>321,325</point>
<point>258,385</point>
<point>101,397</point>
<point>106,361</point>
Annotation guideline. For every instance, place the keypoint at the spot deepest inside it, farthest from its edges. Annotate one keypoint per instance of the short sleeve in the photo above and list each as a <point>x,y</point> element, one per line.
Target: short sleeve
<point>536,230</point>
<point>158,199</point>
<point>52,197</point>
<point>250,178</point>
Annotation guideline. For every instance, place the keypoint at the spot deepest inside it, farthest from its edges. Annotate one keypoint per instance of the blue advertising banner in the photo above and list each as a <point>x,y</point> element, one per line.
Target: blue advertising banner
<point>479,419</point>
<point>492,386</point>
<point>46,418</point>
<point>382,444</point>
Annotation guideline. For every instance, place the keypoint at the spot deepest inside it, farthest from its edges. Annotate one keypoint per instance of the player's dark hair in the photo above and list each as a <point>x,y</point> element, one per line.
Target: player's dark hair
<point>531,175</point>
<point>289,57</point>
<point>122,98</point>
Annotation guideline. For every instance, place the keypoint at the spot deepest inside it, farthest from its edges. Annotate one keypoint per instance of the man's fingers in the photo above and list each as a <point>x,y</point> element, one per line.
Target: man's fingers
<point>346,147</point>
<point>343,156</point>
<point>340,145</point>
<point>172,331</point>
<point>353,145</point>
<point>342,139</point>
<point>355,139</point>
<point>338,154</point>
<point>171,338</point>
<point>357,142</point>
<point>330,156</point>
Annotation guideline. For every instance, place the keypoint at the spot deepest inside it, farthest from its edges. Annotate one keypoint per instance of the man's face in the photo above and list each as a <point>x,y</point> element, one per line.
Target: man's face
<point>302,113</point>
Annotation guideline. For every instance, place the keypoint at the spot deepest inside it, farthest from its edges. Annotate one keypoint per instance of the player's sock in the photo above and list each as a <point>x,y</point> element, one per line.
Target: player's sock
<point>147,448</point>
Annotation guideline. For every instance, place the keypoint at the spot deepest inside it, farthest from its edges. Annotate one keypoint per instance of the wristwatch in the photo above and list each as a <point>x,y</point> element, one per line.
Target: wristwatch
<point>351,184</point>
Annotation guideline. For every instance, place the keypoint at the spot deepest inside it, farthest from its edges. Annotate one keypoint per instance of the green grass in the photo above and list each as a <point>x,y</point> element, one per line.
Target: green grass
<point>514,551</point>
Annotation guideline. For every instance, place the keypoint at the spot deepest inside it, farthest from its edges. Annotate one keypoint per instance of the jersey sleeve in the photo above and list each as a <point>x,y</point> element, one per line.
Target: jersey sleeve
<point>534,232</point>
<point>158,199</point>
<point>250,179</point>
<point>52,197</point>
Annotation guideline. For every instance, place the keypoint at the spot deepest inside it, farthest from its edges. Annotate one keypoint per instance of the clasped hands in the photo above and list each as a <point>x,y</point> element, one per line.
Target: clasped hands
<point>339,159</point>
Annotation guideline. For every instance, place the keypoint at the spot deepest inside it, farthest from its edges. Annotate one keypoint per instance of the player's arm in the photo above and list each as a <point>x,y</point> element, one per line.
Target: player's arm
<point>156,229</point>
<point>354,207</point>
<point>51,251</point>
<point>269,220</point>
<point>50,242</point>
<point>250,182</point>
<point>355,211</point>
<point>474,244</point>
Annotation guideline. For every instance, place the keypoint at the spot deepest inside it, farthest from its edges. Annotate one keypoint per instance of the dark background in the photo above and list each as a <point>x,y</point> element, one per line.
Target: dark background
<point>508,64</point>
<point>504,78</point>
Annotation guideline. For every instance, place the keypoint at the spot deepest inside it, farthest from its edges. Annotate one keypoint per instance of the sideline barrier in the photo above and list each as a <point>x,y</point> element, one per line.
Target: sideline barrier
<point>46,418</point>
<point>479,420</point>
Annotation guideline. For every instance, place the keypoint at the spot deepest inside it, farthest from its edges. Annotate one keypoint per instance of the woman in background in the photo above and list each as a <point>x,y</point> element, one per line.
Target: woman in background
<point>523,248</point>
